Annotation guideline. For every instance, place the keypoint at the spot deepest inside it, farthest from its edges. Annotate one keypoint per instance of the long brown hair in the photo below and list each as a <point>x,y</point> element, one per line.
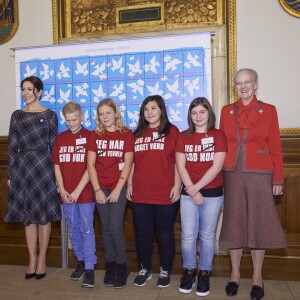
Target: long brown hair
<point>211,124</point>
<point>164,125</point>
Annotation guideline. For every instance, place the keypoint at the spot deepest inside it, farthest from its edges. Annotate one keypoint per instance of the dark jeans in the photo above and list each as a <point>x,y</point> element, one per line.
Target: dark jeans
<point>150,219</point>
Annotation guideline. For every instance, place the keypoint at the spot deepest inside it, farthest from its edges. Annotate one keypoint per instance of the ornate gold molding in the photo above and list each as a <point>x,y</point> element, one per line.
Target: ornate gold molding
<point>290,132</point>
<point>86,18</point>
<point>178,14</point>
<point>231,40</point>
<point>55,12</point>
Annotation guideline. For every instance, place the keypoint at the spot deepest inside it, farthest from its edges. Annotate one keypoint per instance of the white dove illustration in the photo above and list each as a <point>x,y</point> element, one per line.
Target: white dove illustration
<point>48,95</point>
<point>46,72</point>
<point>174,114</point>
<point>29,72</point>
<point>63,71</point>
<point>154,90</point>
<point>171,63</point>
<point>152,65</point>
<point>64,96</point>
<point>134,68</point>
<point>99,70</point>
<point>81,68</point>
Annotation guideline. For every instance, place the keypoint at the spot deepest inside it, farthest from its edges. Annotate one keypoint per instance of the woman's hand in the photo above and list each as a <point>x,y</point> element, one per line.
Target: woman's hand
<point>277,190</point>
<point>8,182</point>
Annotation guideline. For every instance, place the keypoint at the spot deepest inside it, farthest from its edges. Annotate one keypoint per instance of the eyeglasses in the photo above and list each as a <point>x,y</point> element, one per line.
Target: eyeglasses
<point>245,83</point>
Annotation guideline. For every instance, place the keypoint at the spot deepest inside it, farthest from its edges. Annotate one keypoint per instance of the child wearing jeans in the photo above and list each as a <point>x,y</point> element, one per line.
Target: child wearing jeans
<point>76,193</point>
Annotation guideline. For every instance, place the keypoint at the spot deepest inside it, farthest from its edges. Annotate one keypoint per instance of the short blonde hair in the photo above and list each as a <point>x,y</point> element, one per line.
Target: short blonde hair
<point>119,122</point>
<point>71,107</point>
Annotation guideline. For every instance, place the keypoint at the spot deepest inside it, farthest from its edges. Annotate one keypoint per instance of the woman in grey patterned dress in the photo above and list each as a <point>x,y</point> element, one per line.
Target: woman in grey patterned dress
<point>32,198</point>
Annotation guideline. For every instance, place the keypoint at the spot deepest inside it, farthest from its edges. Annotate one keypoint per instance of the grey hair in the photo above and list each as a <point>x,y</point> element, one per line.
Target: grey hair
<point>253,72</point>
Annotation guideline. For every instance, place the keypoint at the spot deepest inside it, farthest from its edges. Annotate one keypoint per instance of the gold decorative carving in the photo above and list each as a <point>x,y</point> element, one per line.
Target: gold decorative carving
<point>231,27</point>
<point>55,12</point>
<point>90,18</point>
<point>290,132</point>
<point>84,18</point>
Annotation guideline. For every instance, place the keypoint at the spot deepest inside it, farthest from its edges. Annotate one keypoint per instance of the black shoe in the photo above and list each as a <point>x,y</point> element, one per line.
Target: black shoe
<point>110,273</point>
<point>203,283</point>
<point>142,277</point>
<point>121,276</point>
<point>40,276</point>
<point>257,292</point>
<point>89,279</point>
<point>187,281</point>
<point>164,279</point>
<point>79,271</point>
<point>231,288</point>
<point>29,275</point>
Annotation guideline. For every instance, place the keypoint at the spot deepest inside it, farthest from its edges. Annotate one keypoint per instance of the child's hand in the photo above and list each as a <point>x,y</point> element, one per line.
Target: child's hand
<point>129,192</point>
<point>65,196</point>
<point>101,197</point>
<point>74,196</point>
<point>192,190</point>
<point>114,196</point>
<point>198,199</point>
<point>175,194</point>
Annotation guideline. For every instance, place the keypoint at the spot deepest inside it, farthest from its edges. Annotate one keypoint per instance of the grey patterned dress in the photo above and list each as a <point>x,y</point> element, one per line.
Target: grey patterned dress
<point>32,197</point>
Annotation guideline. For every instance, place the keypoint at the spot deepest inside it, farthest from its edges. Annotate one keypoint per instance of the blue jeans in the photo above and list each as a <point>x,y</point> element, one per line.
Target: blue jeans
<point>199,221</point>
<point>150,219</point>
<point>112,222</point>
<point>80,219</point>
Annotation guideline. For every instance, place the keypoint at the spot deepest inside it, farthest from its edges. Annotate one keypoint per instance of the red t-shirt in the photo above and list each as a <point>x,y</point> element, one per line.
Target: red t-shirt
<point>199,150</point>
<point>110,147</point>
<point>69,152</point>
<point>154,165</point>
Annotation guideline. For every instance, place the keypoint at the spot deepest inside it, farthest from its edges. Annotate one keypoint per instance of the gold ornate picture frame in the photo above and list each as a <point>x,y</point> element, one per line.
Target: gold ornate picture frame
<point>291,6</point>
<point>8,19</point>
<point>89,18</point>
<point>76,23</point>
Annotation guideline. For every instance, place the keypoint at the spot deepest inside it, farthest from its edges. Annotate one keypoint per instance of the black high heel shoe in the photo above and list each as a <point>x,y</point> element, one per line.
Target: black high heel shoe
<point>257,292</point>
<point>40,276</point>
<point>29,275</point>
<point>231,288</point>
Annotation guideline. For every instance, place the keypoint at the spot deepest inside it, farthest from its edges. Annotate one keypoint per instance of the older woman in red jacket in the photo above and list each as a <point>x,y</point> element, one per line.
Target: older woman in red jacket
<point>253,173</point>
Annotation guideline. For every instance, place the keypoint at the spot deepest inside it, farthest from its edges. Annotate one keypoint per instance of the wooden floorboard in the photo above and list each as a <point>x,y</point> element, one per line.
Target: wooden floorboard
<point>275,267</point>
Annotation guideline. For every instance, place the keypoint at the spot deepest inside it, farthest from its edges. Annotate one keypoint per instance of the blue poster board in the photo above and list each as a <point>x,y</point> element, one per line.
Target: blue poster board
<point>126,70</point>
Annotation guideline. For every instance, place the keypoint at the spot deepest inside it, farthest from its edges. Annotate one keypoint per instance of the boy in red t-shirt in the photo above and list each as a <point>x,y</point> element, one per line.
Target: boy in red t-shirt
<point>76,194</point>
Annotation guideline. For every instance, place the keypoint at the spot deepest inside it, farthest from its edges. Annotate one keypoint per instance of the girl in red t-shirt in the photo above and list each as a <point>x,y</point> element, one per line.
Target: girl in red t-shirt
<point>110,158</point>
<point>200,153</point>
<point>154,189</point>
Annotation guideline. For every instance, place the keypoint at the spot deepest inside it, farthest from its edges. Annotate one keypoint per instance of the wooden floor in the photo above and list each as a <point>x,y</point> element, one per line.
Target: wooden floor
<point>57,285</point>
<point>275,267</point>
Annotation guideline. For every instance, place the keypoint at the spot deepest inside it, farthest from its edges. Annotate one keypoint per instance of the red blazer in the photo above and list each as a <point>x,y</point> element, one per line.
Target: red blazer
<point>261,142</point>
